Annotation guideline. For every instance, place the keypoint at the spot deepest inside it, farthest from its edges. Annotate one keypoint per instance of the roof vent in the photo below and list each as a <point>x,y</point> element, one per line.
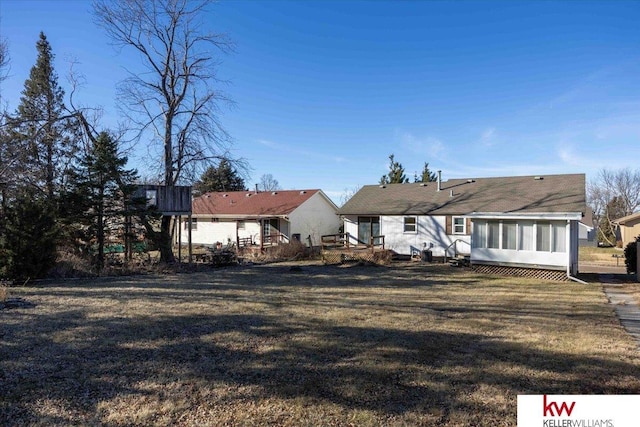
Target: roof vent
<point>224,195</point>
<point>538,178</point>
<point>303,192</point>
<point>248,195</point>
<point>274,193</point>
<point>450,193</point>
<point>383,186</point>
<point>471,180</point>
<point>422,184</point>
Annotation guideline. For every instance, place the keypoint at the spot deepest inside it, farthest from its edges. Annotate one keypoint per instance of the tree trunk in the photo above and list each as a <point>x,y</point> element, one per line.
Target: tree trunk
<point>164,243</point>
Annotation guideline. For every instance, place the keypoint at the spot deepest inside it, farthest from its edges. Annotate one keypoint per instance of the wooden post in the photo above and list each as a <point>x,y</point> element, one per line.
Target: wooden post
<point>179,239</point>
<point>638,261</point>
<point>261,235</point>
<point>190,247</point>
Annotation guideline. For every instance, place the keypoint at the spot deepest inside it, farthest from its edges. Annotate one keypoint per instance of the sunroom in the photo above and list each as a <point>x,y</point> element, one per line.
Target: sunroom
<point>542,241</point>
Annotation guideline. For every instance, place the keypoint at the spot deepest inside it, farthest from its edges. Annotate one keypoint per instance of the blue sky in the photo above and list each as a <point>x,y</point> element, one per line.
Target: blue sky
<point>325,91</point>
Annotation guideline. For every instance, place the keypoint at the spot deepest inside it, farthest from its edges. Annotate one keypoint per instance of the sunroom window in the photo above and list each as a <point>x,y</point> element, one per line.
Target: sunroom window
<point>509,235</point>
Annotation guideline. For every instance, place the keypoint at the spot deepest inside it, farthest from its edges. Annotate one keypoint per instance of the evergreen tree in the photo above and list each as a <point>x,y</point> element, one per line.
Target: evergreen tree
<point>221,178</point>
<point>28,241</point>
<point>426,175</point>
<point>102,186</point>
<point>396,173</point>
<point>631,255</point>
<point>46,137</point>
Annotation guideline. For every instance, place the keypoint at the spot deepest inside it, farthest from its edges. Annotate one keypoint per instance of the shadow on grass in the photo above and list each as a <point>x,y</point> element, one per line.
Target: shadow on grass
<point>81,360</point>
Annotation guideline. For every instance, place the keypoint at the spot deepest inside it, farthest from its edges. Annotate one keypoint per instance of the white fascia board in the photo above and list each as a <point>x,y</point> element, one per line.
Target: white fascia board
<point>543,215</point>
<point>239,217</point>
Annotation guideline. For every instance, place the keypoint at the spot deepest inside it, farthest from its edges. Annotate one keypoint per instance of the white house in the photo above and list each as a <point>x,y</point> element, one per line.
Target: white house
<point>525,222</point>
<point>587,229</point>
<point>261,218</point>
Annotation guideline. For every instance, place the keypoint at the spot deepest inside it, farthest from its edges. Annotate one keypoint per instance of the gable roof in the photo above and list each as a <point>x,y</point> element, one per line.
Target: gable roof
<point>512,195</point>
<point>243,204</point>
<point>628,218</point>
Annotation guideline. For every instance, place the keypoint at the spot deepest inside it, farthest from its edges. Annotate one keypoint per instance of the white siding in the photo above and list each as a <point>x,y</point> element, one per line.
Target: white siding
<point>430,234</point>
<point>209,232</point>
<point>315,217</point>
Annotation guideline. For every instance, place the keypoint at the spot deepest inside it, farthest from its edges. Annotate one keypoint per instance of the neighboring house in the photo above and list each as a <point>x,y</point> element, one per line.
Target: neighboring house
<point>527,221</point>
<point>261,218</point>
<point>587,230</point>
<point>629,228</point>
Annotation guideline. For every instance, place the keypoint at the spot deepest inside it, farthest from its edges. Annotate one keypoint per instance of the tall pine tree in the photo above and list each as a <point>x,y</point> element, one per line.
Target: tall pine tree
<point>396,173</point>
<point>426,176</point>
<point>101,188</point>
<point>221,178</point>
<point>46,135</point>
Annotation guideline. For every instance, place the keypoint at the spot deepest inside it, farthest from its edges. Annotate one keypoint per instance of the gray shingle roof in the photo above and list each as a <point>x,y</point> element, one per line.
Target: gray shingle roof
<point>516,194</point>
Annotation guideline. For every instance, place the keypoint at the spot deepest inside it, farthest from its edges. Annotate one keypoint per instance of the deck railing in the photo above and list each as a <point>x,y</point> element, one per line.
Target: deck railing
<point>343,241</point>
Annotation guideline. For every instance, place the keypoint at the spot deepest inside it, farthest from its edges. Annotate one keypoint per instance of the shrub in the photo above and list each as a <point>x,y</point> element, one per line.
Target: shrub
<point>289,251</point>
<point>631,255</point>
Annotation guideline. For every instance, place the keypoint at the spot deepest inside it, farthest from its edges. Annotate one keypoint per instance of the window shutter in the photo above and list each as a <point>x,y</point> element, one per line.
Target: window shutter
<point>468,227</point>
<point>448,223</point>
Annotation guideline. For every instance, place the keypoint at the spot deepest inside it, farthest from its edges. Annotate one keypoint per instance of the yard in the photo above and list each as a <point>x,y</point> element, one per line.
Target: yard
<point>305,345</point>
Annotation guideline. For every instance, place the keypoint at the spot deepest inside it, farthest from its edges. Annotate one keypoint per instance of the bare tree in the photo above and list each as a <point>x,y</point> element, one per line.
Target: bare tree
<point>348,193</point>
<point>4,59</point>
<point>173,102</point>
<point>268,183</point>
<point>611,195</point>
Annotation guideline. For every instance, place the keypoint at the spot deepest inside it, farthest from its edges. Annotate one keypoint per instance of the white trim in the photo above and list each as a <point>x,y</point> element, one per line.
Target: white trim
<point>415,224</point>
<point>453,225</point>
<point>543,216</point>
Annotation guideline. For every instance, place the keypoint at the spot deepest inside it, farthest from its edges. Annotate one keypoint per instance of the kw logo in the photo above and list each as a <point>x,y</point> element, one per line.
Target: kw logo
<point>549,408</point>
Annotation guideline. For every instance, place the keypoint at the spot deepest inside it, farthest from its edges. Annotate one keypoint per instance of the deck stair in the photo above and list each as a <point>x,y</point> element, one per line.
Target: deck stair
<point>460,261</point>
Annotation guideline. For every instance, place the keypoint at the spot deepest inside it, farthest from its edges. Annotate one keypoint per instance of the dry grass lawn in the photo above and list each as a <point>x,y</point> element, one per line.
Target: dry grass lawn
<point>305,346</point>
<point>601,256</point>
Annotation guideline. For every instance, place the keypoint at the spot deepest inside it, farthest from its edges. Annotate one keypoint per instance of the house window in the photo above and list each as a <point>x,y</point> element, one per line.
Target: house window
<point>543,237</point>
<point>509,235</point>
<point>410,224</point>
<point>368,227</point>
<point>241,225</point>
<point>459,225</point>
<point>480,234</point>
<point>194,224</point>
<point>493,235</point>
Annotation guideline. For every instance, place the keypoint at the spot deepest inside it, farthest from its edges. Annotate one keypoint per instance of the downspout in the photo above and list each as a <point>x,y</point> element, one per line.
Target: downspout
<point>575,279</point>
<point>569,276</point>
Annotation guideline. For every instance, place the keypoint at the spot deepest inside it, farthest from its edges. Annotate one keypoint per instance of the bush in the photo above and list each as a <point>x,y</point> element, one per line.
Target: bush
<point>288,251</point>
<point>631,256</point>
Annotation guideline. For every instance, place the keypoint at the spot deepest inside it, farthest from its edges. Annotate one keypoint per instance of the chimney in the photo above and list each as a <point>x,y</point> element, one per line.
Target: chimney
<point>257,189</point>
<point>439,180</point>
